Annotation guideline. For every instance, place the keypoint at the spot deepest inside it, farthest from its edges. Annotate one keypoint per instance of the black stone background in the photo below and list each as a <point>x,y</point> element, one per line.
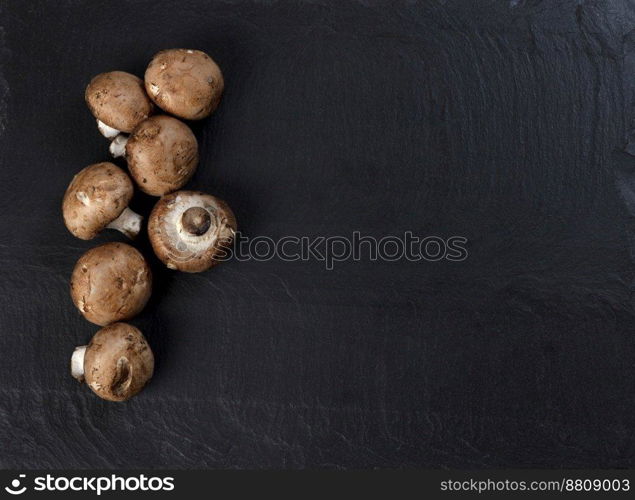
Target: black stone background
<point>504,122</point>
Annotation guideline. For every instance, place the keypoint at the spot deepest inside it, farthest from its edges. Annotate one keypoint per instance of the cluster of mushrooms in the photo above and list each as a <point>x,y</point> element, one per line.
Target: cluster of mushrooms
<point>188,230</point>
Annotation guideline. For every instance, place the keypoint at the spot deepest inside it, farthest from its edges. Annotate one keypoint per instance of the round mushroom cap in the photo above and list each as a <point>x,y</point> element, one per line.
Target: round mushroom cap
<point>118,99</point>
<point>191,231</point>
<point>95,197</point>
<point>184,82</point>
<point>118,362</point>
<point>111,282</point>
<point>162,155</point>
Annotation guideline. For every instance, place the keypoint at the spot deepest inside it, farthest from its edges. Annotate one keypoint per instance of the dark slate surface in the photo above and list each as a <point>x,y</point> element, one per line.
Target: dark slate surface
<point>504,122</point>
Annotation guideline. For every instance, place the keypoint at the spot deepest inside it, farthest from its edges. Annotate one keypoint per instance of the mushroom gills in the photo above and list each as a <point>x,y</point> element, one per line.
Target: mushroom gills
<point>129,223</point>
<point>77,363</point>
<point>190,230</point>
<point>106,130</point>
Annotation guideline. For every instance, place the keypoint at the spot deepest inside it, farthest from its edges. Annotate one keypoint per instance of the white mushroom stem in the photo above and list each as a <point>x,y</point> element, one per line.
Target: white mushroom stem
<point>77,363</point>
<point>129,223</point>
<point>106,130</point>
<point>118,146</point>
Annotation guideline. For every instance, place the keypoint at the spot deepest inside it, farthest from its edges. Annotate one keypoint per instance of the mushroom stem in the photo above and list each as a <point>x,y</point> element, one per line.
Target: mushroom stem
<point>196,221</point>
<point>118,146</point>
<point>129,223</point>
<point>77,362</point>
<point>106,130</point>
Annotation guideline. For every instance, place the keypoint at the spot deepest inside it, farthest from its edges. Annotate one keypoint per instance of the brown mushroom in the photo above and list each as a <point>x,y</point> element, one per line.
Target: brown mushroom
<point>162,154</point>
<point>97,198</point>
<point>118,101</point>
<point>190,231</point>
<point>111,282</point>
<point>186,83</point>
<point>116,364</point>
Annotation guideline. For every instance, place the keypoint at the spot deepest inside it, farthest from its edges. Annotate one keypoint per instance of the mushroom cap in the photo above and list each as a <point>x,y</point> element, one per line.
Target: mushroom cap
<point>162,155</point>
<point>95,197</point>
<point>118,362</point>
<point>174,235</point>
<point>118,99</point>
<point>111,282</point>
<point>186,83</point>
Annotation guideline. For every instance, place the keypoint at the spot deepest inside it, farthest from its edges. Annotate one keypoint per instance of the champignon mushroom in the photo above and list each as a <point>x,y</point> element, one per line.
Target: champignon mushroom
<point>118,101</point>
<point>97,198</point>
<point>186,83</point>
<point>162,154</point>
<point>116,364</point>
<point>111,282</point>
<point>190,231</point>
